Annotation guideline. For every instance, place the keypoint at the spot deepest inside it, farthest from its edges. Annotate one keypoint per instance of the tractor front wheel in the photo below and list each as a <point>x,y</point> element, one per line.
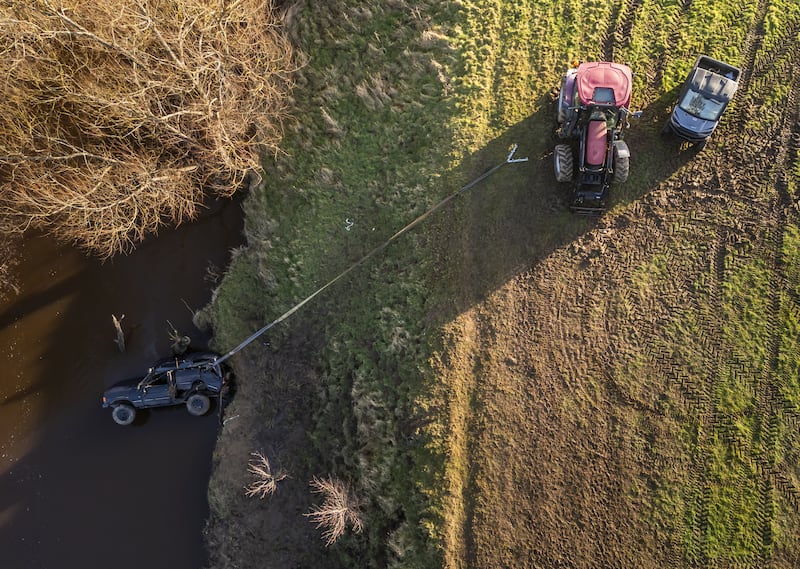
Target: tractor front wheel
<point>561,107</point>
<point>562,162</point>
<point>622,167</point>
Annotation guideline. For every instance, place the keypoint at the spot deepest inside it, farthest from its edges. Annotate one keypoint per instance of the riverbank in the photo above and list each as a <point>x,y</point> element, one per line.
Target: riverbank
<point>339,390</point>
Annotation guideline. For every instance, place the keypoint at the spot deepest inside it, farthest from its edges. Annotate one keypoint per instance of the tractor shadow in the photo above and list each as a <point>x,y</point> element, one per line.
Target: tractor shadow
<point>511,221</point>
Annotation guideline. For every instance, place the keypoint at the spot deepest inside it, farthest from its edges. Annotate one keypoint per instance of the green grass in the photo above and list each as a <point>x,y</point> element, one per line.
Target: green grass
<point>398,105</point>
<point>369,152</point>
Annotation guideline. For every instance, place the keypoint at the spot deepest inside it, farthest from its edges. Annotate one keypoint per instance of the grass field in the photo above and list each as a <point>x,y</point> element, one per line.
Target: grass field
<point>511,385</point>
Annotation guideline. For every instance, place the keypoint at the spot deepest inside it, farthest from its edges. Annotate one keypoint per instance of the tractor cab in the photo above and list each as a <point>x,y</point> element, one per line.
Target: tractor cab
<point>592,110</point>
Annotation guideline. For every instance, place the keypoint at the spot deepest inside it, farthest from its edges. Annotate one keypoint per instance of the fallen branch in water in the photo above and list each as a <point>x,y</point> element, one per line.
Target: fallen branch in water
<point>120,339</point>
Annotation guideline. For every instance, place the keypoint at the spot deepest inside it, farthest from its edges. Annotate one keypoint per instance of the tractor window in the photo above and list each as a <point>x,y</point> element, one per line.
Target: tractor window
<point>603,95</point>
<point>702,107</point>
<point>608,115</point>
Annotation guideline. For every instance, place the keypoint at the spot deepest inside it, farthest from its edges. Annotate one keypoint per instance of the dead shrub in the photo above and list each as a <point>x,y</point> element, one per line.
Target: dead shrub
<point>117,116</point>
<point>339,509</point>
<point>266,481</point>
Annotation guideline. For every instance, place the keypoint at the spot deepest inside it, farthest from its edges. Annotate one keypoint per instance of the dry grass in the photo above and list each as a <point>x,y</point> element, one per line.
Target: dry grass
<point>339,509</point>
<point>8,260</point>
<point>116,117</point>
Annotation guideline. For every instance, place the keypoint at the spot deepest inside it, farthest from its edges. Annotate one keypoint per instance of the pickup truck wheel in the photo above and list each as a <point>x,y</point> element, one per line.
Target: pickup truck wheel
<point>123,414</point>
<point>198,404</point>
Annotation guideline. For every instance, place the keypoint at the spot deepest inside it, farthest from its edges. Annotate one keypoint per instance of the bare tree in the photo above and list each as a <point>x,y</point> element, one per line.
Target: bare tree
<point>116,116</point>
<point>339,509</point>
<point>266,481</point>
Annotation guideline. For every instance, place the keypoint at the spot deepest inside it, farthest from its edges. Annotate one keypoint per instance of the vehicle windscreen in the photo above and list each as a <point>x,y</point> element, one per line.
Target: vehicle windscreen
<point>153,378</point>
<point>702,107</point>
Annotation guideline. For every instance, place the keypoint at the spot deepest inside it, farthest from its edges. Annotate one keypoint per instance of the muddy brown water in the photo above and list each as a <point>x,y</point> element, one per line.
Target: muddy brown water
<point>76,490</point>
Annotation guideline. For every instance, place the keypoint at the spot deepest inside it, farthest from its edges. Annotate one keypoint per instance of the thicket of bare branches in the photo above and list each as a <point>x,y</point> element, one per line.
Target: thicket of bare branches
<point>339,509</point>
<point>116,116</point>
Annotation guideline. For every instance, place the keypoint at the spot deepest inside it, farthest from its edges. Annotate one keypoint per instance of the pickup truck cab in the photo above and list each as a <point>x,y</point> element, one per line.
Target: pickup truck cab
<point>703,98</point>
<point>185,380</point>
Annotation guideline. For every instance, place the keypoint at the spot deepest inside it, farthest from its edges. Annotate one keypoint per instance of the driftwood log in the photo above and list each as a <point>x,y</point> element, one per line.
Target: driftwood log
<point>120,339</point>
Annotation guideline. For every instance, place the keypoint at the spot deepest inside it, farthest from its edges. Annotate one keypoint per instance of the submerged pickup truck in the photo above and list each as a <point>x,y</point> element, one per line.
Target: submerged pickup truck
<point>185,380</point>
<point>706,92</point>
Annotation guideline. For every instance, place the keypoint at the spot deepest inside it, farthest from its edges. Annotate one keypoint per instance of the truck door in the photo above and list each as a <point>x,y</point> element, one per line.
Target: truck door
<point>157,392</point>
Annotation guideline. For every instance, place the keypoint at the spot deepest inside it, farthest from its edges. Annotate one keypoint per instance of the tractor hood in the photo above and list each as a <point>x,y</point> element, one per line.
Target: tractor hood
<point>604,83</point>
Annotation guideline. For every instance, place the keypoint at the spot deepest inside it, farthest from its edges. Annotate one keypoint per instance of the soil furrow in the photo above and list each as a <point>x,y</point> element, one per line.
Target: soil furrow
<point>751,49</point>
<point>618,33</point>
<point>676,26</point>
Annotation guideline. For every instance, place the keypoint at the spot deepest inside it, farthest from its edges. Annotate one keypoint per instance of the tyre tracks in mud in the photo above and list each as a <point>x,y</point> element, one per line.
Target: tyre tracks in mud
<point>618,34</point>
<point>752,176</point>
<point>746,186</point>
<point>771,403</point>
<point>675,24</point>
<point>752,45</point>
<point>765,192</point>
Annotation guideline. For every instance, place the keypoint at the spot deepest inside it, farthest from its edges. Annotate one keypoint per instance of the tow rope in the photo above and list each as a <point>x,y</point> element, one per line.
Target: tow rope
<point>509,160</point>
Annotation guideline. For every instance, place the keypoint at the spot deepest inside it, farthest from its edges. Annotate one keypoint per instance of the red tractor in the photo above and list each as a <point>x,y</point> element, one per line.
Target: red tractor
<point>592,111</point>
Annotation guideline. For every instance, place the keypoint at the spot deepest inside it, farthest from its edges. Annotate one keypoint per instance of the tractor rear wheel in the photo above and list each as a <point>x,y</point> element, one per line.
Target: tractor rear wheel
<point>622,167</point>
<point>562,162</point>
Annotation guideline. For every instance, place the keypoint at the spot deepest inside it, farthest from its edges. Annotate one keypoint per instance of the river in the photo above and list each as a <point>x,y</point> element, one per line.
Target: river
<point>77,490</point>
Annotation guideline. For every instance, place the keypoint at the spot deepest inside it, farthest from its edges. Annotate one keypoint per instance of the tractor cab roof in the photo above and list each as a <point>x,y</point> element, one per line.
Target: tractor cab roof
<point>604,83</point>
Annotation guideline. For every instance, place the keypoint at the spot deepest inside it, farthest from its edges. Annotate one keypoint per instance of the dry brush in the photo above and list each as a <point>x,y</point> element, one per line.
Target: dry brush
<point>266,481</point>
<point>117,117</point>
<point>339,510</point>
